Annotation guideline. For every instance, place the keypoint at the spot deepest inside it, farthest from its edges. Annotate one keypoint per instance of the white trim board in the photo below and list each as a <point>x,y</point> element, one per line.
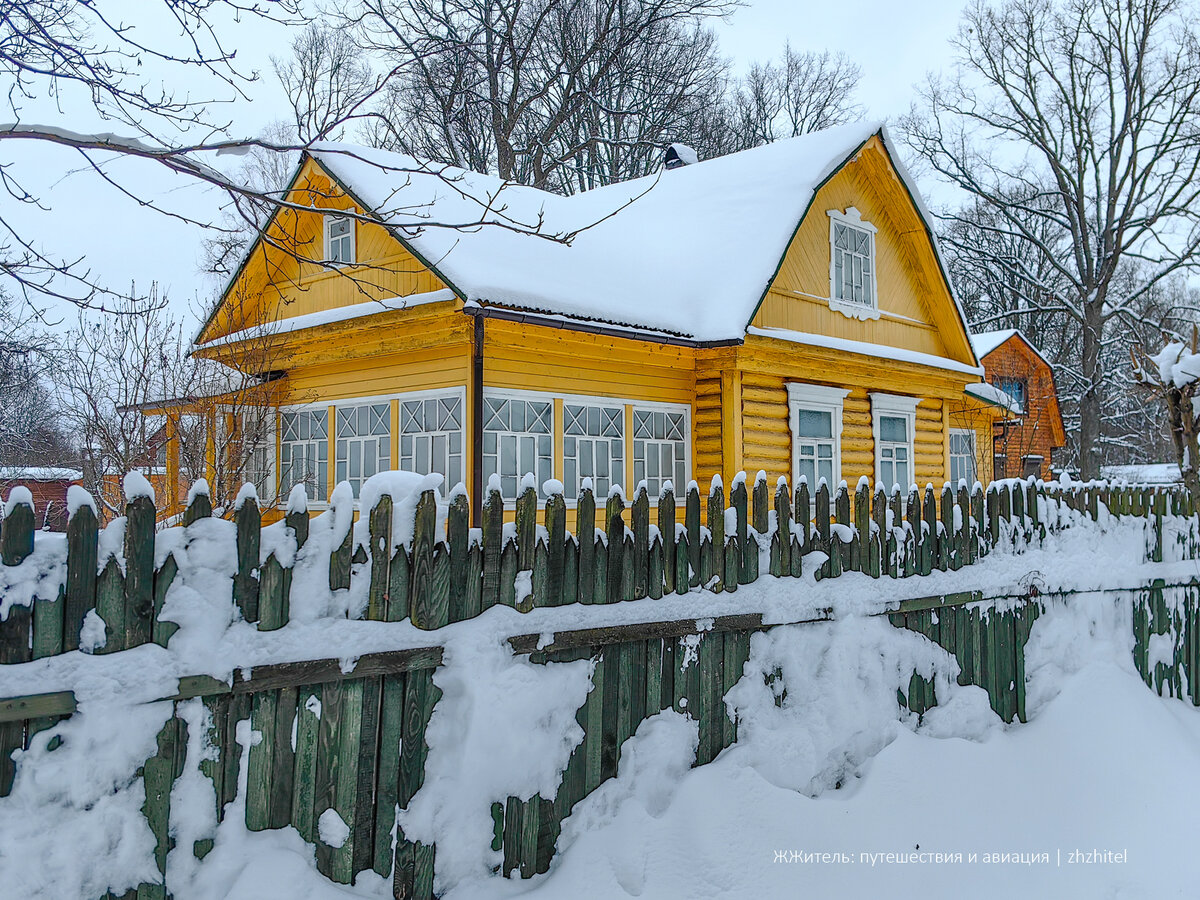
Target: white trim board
<point>863,348</point>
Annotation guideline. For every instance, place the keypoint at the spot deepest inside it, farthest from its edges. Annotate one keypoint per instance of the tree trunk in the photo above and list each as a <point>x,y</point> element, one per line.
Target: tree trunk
<point>1091,401</point>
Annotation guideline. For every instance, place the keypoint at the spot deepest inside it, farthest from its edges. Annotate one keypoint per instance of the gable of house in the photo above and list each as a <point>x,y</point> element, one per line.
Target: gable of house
<point>281,279</point>
<point>916,310</point>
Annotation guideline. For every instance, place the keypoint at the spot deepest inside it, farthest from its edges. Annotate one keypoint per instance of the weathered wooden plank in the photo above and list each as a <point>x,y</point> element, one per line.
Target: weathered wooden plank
<point>163,579</point>
<point>594,728</point>
<point>47,626</point>
<point>420,596</point>
<point>283,758</point>
<point>391,730</point>
<point>610,725</point>
<point>110,606</point>
<point>508,574</point>
<point>248,521</point>
<point>258,768</point>
<point>80,595</point>
<point>379,529</point>
<point>308,719</point>
<point>139,571</point>
<point>783,527</point>
<point>737,500</point>
<point>759,508</point>
<point>655,568</point>
<point>614,528</point>
<point>585,528</point>
<point>639,516</point>
<point>666,528</point>
<point>556,550</point>
<point>158,774</point>
<point>272,601</point>
<point>691,521</point>
<point>493,543</point>
<point>399,586</point>
<point>328,765</point>
<point>716,530</point>
<point>365,802</point>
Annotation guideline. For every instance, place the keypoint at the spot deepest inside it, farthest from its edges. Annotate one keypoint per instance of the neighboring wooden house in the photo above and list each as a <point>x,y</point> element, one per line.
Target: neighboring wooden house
<point>1024,442</point>
<point>48,485</point>
<point>783,309</point>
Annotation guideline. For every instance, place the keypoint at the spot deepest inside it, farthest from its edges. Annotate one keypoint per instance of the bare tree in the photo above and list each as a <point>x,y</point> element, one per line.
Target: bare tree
<point>67,56</point>
<point>327,79</point>
<point>521,88</point>
<point>801,93</point>
<point>136,397</point>
<point>1085,112</point>
<point>31,427</point>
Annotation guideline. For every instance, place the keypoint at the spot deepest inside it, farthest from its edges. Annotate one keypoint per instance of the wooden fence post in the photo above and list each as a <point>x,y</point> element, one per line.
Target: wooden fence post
<point>947,558</point>
<point>81,571</point>
<point>16,543</point>
<point>716,529</point>
<point>379,526</point>
<point>139,565</point>
<point>802,508</point>
<point>249,531</point>
<point>876,537</point>
<point>421,599</point>
<point>781,550</point>
<point>860,540</point>
<point>760,508</point>
<point>841,505</point>
<point>692,520</point>
<point>737,499</point>
<point>493,541</point>
<point>615,531</point>
<point>458,538</point>
<point>930,539</point>
<point>666,528</point>
<point>912,552</point>
<point>639,515</point>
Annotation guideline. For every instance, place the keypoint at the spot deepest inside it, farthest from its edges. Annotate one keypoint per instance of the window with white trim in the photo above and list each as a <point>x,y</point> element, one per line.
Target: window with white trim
<point>852,263</point>
<point>962,456</point>
<point>364,442</point>
<point>660,449</point>
<point>894,420</point>
<point>304,452</point>
<point>518,438</point>
<point>593,447</point>
<point>339,240</point>
<point>815,418</point>
<point>431,437</point>
<point>258,451</point>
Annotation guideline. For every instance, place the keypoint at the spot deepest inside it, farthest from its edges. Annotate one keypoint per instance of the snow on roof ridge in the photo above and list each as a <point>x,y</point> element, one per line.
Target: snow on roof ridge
<point>742,207</point>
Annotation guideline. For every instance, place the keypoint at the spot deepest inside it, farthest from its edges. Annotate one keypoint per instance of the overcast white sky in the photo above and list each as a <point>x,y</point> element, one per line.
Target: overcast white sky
<point>895,43</point>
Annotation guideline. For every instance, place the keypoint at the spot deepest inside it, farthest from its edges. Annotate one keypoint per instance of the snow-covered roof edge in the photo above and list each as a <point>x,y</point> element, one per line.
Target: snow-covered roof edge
<point>994,396</point>
<point>863,348</point>
<point>986,342</point>
<point>39,473</point>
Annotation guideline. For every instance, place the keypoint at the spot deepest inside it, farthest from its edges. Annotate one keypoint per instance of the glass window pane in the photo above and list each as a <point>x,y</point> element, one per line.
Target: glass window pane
<point>813,423</point>
<point>528,453</point>
<point>892,428</point>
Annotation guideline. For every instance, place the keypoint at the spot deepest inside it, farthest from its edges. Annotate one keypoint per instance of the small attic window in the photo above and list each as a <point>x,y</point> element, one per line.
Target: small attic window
<point>339,240</point>
<point>852,279</point>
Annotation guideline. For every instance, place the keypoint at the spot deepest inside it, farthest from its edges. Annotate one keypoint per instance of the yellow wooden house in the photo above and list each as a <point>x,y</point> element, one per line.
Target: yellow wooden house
<point>781,309</point>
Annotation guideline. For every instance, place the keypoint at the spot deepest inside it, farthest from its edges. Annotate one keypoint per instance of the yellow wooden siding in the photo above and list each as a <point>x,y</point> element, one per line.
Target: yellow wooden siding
<point>274,284</point>
<point>706,427</point>
<point>917,311</point>
<point>532,358</point>
<point>929,465</point>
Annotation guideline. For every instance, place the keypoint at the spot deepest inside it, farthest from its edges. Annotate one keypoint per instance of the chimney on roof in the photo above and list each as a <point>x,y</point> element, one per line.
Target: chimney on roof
<point>679,155</point>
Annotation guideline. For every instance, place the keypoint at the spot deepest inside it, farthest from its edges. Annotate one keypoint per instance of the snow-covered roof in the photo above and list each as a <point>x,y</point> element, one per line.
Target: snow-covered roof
<point>39,473</point>
<point>986,341</point>
<point>989,393</point>
<point>1149,473</point>
<point>689,251</point>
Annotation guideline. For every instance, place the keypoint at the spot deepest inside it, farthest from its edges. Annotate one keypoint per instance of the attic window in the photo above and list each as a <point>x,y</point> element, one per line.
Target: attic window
<point>852,289</point>
<point>339,240</point>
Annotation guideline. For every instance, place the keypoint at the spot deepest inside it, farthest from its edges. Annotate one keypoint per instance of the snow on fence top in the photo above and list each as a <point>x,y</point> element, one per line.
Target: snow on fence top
<point>424,562</point>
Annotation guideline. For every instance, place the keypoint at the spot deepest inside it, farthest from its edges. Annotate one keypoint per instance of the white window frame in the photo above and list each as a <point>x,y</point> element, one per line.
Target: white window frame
<point>969,432</point>
<point>852,218</point>
<point>631,439</point>
<point>459,394</point>
<point>817,398</point>
<point>363,441</point>
<point>328,221</point>
<point>313,502</point>
<point>527,396</point>
<point>268,489</point>
<point>604,403</point>
<point>898,407</point>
